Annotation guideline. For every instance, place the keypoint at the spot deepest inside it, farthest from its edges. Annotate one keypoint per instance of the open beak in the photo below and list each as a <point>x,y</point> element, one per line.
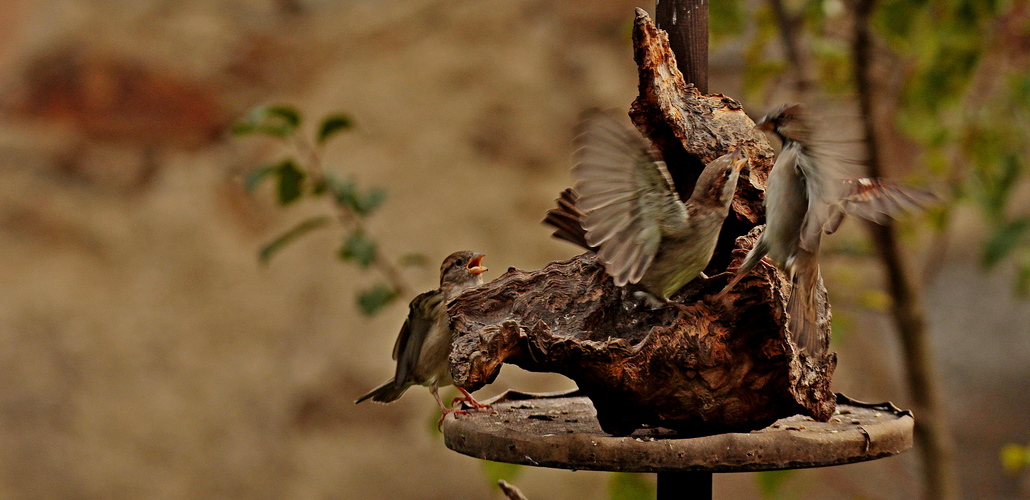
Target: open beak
<point>475,265</point>
<point>739,158</point>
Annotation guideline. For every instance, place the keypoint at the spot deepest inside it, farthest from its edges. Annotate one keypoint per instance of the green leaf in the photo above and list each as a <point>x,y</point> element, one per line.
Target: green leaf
<point>341,189</point>
<point>1014,458</point>
<point>769,482</point>
<point>347,194</point>
<point>1005,238</point>
<point>331,125</point>
<point>494,471</point>
<point>257,175</point>
<point>290,179</point>
<point>267,251</point>
<point>359,248</point>
<point>274,120</point>
<point>630,486</point>
<point>370,301</point>
<point>413,259</point>
<point>367,202</point>
<point>288,114</point>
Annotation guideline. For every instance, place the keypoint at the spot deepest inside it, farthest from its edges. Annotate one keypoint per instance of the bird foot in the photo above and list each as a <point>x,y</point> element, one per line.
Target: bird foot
<point>649,300</point>
<point>448,411</point>
<point>469,400</point>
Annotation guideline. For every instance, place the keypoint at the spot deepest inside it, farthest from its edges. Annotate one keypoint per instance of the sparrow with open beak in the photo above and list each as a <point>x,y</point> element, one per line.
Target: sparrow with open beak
<point>629,213</point>
<point>424,342</point>
<point>805,198</point>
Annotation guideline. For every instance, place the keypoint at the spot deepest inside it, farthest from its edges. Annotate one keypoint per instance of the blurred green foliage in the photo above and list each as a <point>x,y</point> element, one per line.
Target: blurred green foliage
<point>494,471</point>
<point>965,101</point>
<point>1015,458</point>
<point>770,483</point>
<point>300,175</point>
<point>956,73</point>
<point>960,81</point>
<point>630,486</point>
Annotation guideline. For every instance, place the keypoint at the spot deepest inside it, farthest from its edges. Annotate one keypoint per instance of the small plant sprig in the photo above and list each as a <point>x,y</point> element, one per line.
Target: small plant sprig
<point>301,174</point>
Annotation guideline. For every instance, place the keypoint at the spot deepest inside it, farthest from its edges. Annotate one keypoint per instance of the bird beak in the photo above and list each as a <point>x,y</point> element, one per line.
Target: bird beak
<point>739,158</point>
<point>475,264</point>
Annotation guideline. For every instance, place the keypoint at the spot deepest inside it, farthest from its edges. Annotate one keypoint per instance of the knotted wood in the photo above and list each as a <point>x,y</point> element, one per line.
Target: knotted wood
<point>697,365</point>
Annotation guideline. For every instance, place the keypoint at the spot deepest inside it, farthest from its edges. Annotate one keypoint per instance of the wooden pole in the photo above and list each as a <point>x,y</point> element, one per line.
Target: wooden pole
<point>686,21</point>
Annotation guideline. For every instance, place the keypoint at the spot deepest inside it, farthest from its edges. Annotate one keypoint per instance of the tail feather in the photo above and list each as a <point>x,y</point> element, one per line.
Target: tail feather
<point>803,311</point>
<point>566,220</point>
<point>386,393</point>
<point>754,256</point>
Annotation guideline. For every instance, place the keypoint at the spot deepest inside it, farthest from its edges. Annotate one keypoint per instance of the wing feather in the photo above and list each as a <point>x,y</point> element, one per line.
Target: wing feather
<point>422,314</point>
<point>626,195</point>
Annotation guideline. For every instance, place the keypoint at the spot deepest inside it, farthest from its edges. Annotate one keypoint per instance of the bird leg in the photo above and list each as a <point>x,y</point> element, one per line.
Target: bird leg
<point>468,399</point>
<point>443,409</point>
<point>652,302</point>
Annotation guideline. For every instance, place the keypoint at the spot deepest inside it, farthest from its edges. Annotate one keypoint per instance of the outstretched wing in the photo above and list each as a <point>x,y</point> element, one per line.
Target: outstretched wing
<point>821,190</point>
<point>877,200</point>
<point>421,315</point>
<point>626,195</point>
<point>567,220</point>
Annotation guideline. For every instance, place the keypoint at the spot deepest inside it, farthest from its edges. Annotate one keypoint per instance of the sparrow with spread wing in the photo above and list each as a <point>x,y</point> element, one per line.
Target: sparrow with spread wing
<point>805,198</point>
<point>625,208</point>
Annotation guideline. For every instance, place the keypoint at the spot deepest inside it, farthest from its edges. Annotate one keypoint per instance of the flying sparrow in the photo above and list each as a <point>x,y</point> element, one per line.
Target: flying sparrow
<point>805,198</point>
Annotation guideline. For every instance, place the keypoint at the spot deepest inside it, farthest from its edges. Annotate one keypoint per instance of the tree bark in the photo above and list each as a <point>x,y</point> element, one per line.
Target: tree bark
<point>931,433</point>
<point>696,366</point>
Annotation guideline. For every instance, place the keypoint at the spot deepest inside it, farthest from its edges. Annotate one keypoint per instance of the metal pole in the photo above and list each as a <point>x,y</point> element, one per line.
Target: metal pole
<point>684,486</point>
<point>686,21</point>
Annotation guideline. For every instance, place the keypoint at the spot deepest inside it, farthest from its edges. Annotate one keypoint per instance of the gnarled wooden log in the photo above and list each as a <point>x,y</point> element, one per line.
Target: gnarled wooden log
<point>696,366</point>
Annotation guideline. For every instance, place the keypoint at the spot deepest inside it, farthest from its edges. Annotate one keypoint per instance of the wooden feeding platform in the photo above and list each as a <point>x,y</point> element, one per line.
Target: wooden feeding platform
<point>560,430</point>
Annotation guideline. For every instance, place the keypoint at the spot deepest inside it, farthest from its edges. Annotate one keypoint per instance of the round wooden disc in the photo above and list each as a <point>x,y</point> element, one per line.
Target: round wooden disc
<point>561,431</point>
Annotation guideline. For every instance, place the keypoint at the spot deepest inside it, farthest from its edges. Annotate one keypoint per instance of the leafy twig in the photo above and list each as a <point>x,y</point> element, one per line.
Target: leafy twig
<point>303,174</point>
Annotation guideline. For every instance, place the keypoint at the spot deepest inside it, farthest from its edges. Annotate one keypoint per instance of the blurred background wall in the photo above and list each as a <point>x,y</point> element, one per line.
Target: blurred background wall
<point>145,353</point>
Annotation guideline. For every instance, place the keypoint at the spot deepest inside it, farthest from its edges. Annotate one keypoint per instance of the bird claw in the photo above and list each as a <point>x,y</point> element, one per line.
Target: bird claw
<point>449,411</point>
<point>650,301</point>
<point>471,402</point>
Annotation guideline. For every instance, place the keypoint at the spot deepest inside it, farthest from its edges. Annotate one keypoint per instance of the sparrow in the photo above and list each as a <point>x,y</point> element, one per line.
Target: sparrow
<point>424,342</point>
<point>805,198</point>
<point>625,208</point>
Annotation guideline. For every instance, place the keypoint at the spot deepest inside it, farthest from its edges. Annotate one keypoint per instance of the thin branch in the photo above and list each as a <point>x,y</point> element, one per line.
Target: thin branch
<point>388,270</point>
<point>510,490</point>
<point>931,427</point>
<point>347,218</point>
<point>790,35</point>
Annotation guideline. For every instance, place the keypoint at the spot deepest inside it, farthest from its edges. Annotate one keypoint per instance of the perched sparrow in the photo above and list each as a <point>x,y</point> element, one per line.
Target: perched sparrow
<point>806,197</point>
<point>424,342</point>
<point>629,213</point>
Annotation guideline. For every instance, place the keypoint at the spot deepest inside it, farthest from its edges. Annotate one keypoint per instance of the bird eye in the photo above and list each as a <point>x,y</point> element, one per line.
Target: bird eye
<point>459,262</point>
